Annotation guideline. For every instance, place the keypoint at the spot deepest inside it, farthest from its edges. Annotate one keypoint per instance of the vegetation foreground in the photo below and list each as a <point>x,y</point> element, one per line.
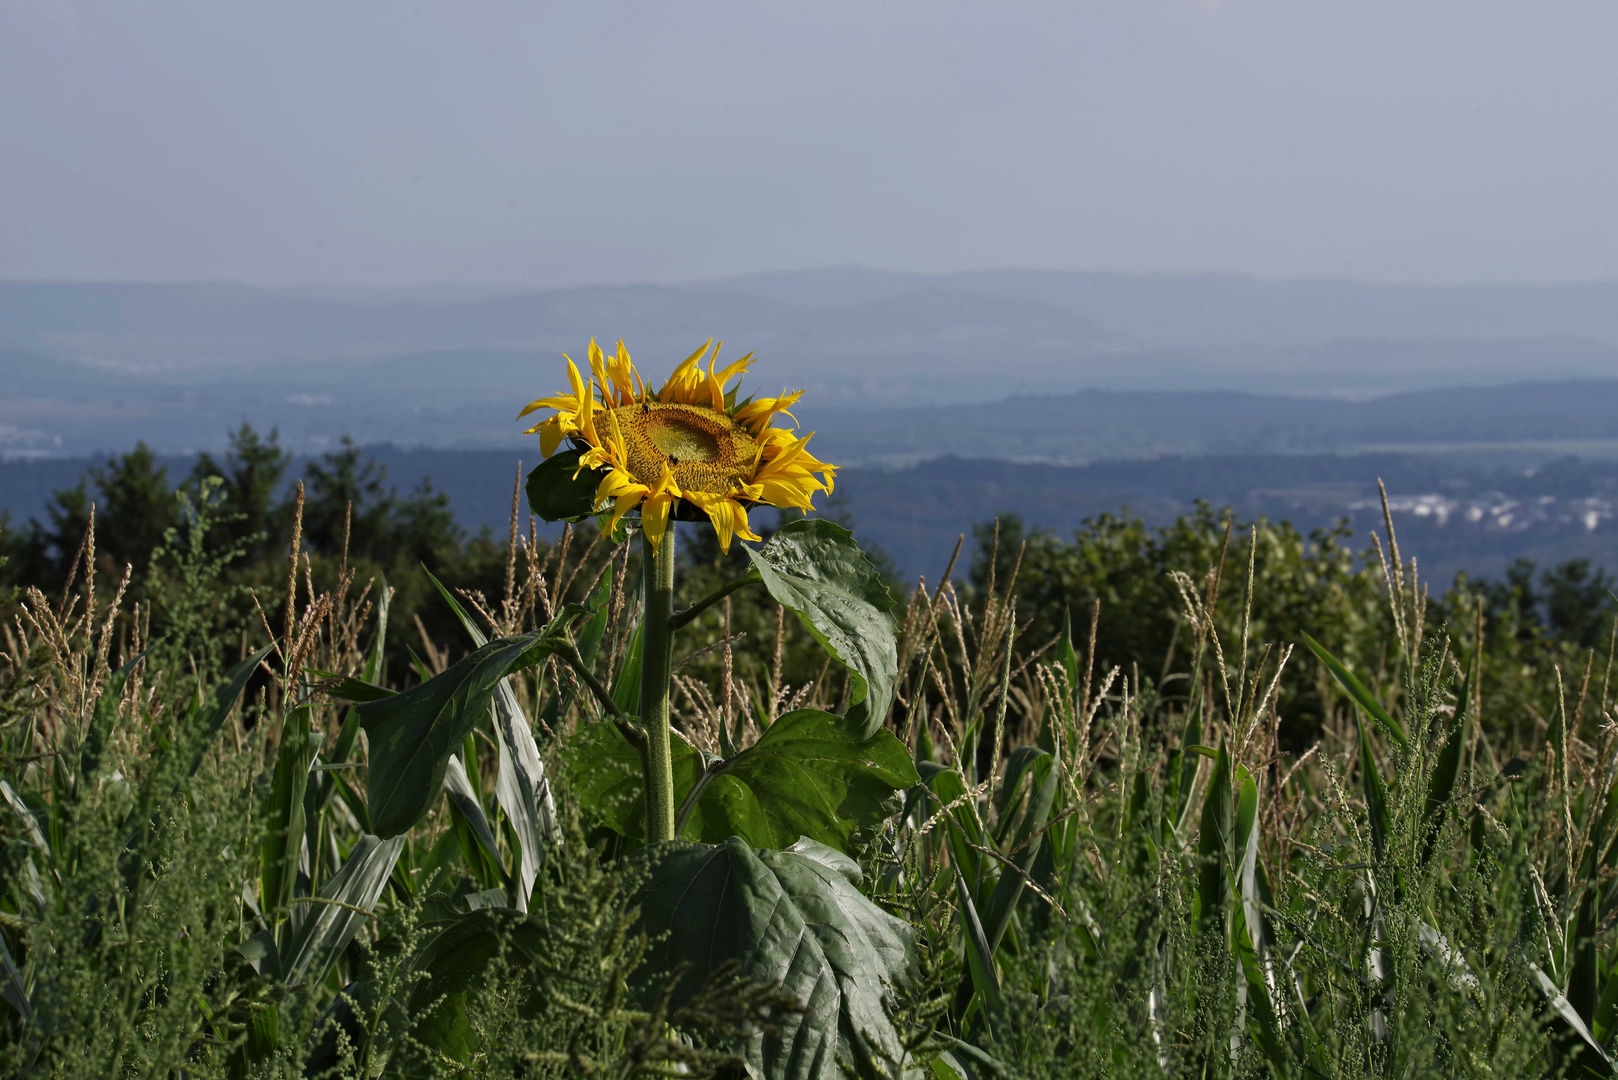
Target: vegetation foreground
<point>1264,810</point>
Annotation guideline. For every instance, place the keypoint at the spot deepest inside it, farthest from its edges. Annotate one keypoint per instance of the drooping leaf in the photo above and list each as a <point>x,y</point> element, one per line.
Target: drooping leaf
<point>789,918</point>
<point>813,568</point>
<point>556,494</point>
<point>521,786</point>
<point>328,928</point>
<point>464,798</point>
<point>12,987</point>
<point>807,775</point>
<point>1359,693</point>
<point>1563,1009</point>
<point>412,735</point>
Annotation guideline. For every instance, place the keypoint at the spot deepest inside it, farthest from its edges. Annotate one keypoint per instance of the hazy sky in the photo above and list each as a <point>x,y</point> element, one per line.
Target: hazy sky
<point>397,142</point>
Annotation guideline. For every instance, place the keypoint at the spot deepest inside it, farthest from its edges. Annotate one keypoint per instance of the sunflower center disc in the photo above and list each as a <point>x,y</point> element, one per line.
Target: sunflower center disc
<point>704,448</point>
<point>678,439</point>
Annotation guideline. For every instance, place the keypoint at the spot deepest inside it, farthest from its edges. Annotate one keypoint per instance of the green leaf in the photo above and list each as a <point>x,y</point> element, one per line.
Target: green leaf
<point>327,929</point>
<point>412,735</point>
<point>556,494</point>
<point>1376,793</point>
<point>814,568</point>
<point>595,627</point>
<point>979,956</point>
<point>604,775</point>
<point>12,988</point>
<point>962,827</point>
<point>1066,655</point>
<point>285,813</point>
<point>788,918</point>
<point>464,798</point>
<point>348,688</point>
<point>1214,848</point>
<point>1441,783</point>
<point>1043,778</point>
<point>806,776</point>
<point>1559,1003</point>
<point>626,687</point>
<point>1359,693</point>
<point>521,786</point>
<point>1182,772</point>
<point>102,722</point>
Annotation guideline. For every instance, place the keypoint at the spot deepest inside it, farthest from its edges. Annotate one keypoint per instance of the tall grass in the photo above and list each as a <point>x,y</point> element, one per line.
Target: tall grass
<point>1110,872</point>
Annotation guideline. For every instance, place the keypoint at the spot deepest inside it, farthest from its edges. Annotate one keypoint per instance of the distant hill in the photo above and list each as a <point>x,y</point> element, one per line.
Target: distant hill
<point>85,367</point>
<point>1106,425</point>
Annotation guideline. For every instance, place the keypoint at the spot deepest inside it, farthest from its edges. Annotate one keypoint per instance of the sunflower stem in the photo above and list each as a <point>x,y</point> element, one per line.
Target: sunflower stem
<point>657,655</point>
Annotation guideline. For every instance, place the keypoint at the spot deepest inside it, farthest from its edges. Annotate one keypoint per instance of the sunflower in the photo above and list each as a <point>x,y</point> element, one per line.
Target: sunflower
<point>690,442</point>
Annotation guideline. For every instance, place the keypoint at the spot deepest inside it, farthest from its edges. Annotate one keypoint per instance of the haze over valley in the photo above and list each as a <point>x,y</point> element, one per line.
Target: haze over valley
<point>1188,364</point>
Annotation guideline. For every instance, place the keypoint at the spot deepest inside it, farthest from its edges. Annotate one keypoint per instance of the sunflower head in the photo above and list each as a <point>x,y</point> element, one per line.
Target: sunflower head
<point>689,445</point>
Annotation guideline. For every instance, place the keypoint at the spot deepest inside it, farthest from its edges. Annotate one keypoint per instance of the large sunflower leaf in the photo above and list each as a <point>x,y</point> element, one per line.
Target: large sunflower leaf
<point>788,917</point>
<point>412,734</point>
<point>604,775</point>
<point>814,568</point>
<point>555,493</point>
<point>807,775</point>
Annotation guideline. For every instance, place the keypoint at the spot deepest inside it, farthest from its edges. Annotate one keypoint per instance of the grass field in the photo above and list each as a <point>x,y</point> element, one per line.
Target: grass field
<point>1213,800</point>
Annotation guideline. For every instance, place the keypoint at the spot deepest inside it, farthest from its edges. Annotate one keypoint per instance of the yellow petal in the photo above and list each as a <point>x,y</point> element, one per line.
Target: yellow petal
<point>622,506</point>
<point>550,436</point>
<point>739,367</point>
<point>598,368</point>
<point>654,517</point>
<point>617,484</point>
<point>678,381</point>
<point>574,378</point>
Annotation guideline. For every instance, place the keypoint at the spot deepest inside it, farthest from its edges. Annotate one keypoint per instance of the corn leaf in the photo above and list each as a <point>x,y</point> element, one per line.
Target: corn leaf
<point>1214,848</point>
<point>1356,690</point>
<point>1376,793</point>
<point>1025,847</point>
<point>521,787</point>
<point>329,927</point>
<point>412,734</point>
<point>285,812</point>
